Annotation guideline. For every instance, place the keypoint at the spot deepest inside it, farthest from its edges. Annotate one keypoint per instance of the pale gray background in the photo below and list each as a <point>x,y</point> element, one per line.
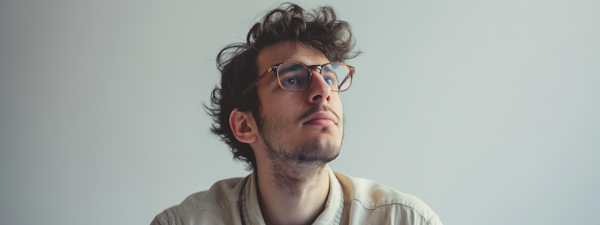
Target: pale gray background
<point>486,110</point>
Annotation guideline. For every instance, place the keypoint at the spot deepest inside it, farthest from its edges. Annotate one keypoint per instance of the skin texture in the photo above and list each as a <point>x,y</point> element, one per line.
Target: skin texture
<point>300,134</point>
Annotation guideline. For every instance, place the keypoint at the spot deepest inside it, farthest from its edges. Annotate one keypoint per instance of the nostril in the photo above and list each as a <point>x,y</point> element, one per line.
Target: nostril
<point>316,97</point>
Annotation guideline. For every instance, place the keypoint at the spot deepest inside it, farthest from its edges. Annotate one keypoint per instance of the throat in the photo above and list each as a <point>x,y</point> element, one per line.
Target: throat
<point>296,179</point>
<point>293,194</point>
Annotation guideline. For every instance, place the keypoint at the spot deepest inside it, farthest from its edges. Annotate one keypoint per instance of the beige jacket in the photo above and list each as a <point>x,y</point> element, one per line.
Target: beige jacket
<point>350,201</point>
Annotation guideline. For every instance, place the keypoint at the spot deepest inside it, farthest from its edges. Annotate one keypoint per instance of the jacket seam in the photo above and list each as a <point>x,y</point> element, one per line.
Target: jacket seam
<point>397,203</point>
<point>198,209</point>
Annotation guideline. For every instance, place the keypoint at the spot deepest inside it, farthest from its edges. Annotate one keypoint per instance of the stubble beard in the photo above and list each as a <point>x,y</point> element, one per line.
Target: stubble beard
<point>294,165</point>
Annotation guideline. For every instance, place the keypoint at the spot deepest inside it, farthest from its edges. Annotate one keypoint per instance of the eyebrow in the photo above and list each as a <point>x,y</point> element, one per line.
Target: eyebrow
<point>289,68</point>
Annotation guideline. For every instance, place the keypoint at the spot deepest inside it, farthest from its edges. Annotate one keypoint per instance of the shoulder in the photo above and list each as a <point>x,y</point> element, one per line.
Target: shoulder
<point>205,205</point>
<point>372,196</point>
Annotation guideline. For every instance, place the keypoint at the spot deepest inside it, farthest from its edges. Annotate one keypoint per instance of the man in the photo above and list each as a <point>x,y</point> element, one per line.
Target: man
<point>279,110</point>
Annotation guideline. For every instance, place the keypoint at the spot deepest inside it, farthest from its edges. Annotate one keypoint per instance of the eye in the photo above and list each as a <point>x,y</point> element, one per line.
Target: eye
<point>290,81</point>
<point>329,75</point>
<point>330,79</point>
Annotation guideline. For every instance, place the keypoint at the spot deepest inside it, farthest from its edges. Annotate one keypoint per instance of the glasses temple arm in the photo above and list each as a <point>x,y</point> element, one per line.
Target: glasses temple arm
<point>253,84</point>
<point>346,78</point>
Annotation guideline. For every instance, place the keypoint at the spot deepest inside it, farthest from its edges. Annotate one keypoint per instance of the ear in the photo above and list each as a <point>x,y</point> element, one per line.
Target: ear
<point>243,126</point>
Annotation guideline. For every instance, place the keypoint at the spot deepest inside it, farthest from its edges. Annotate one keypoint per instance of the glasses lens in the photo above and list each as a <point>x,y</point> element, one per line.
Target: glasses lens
<point>292,76</point>
<point>336,75</point>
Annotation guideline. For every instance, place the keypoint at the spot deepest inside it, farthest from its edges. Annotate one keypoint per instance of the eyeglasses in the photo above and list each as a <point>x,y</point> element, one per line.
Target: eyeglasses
<point>296,76</point>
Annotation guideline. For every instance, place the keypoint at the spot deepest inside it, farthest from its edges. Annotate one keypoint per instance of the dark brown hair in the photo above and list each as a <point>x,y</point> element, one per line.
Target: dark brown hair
<point>237,63</point>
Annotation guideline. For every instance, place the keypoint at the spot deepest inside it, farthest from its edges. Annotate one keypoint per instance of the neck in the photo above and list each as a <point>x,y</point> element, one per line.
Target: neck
<point>293,193</point>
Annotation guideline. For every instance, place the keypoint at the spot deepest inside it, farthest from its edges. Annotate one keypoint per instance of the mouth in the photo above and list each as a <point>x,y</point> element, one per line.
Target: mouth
<point>321,120</point>
<point>320,115</point>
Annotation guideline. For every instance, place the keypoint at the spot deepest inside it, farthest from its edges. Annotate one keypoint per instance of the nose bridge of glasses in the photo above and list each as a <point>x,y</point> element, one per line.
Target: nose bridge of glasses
<point>332,87</point>
<point>319,67</point>
<point>310,68</point>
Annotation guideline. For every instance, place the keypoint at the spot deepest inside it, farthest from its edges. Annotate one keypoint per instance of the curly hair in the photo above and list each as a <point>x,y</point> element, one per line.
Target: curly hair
<point>237,63</point>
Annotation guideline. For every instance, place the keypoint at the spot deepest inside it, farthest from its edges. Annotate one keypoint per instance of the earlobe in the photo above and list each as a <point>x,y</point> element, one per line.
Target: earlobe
<point>242,126</point>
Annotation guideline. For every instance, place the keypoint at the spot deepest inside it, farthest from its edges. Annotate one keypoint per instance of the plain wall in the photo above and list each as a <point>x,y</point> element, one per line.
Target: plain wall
<point>486,110</point>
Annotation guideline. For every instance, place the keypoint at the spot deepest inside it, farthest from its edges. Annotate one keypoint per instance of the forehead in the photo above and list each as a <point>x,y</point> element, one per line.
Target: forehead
<point>289,52</point>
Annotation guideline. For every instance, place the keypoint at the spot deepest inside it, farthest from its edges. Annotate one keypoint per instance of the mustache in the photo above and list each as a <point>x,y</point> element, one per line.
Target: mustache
<point>315,109</point>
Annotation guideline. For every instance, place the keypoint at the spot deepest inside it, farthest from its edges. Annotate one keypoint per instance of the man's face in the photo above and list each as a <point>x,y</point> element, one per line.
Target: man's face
<point>304,126</point>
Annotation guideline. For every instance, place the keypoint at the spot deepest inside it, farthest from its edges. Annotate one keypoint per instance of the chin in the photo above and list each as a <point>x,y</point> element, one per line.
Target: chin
<point>320,149</point>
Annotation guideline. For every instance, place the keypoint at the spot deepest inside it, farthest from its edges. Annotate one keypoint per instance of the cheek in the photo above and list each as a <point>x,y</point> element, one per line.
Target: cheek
<point>336,104</point>
<point>279,113</point>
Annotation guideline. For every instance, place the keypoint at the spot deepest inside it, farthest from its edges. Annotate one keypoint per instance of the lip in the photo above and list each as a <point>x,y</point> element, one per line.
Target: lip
<point>321,119</point>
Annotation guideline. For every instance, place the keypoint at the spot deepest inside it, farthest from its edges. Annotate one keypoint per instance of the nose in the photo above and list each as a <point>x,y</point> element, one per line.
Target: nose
<point>319,91</point>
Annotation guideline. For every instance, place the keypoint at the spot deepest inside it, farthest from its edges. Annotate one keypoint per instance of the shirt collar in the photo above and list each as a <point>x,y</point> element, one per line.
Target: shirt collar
<point>250,209</point>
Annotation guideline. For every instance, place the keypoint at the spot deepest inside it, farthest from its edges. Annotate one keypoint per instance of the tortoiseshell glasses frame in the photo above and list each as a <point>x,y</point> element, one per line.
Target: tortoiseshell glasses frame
<point>296,76</point>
